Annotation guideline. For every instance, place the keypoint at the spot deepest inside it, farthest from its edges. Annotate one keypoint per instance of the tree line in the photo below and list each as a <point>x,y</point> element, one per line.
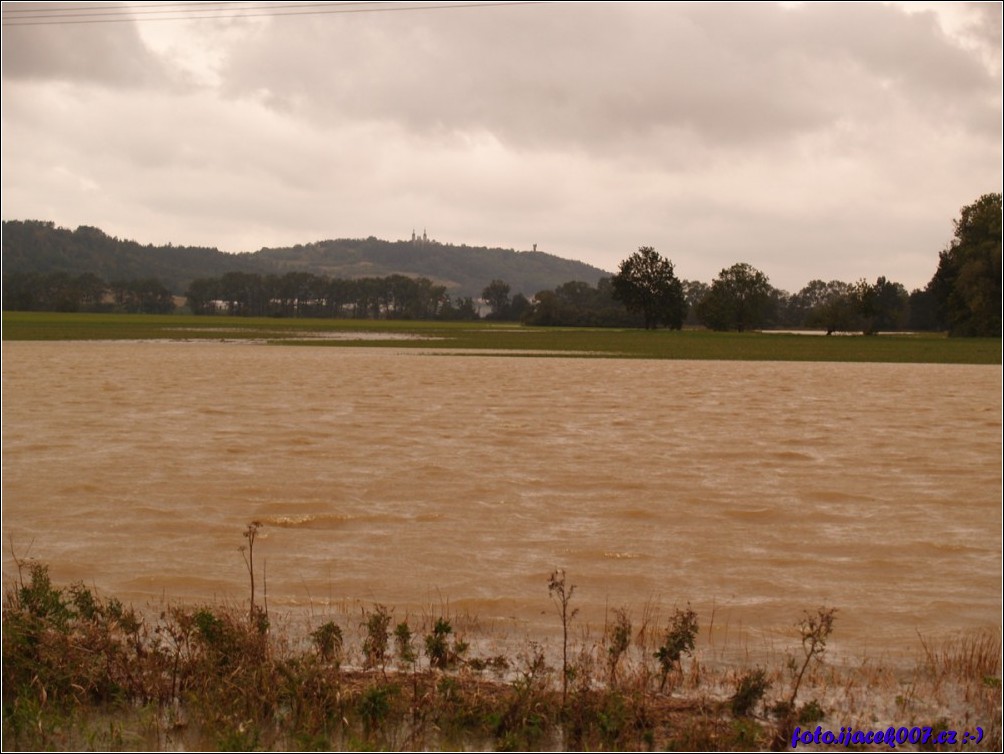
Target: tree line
<point>63,292</point>
<point>740,298</point>
<point>963,297</point>
<point>304,294</point>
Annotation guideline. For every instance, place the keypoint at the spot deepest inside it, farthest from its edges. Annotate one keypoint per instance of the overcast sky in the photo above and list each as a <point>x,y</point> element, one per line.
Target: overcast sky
<point>810,140</point>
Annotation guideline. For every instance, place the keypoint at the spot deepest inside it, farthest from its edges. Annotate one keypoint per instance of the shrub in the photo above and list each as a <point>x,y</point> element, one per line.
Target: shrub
<point>374,705</point>
<point>561,595</point>
<point>679,640</point>
<point>437,647</point>
<point>328,640</point>
<point>618,641</point>
<point>815,629</point>
<point>402,639</point>
<point>810,713</point>
<point>377,635</point>
<point>750,689</point>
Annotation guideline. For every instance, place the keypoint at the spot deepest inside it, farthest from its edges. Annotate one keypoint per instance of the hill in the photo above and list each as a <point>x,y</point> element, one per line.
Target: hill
<point>40,247</point>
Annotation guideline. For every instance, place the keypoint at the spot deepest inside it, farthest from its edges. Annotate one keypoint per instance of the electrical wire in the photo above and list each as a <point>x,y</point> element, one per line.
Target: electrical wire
<point>131,11</point>
<point>317,9</point>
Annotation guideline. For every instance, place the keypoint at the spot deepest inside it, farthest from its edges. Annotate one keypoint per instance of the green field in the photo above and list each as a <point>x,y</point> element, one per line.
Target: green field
<point>513,339</point>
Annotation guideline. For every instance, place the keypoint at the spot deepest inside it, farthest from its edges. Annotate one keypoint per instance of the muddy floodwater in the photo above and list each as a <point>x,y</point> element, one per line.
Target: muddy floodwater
<point>422,481</point>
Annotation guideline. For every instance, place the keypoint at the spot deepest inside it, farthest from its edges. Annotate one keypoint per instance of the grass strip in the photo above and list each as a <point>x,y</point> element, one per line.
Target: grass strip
<point>506,338</point>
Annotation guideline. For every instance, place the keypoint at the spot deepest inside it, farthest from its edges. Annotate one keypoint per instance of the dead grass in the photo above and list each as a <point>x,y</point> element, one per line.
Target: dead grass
<point>969,655</point>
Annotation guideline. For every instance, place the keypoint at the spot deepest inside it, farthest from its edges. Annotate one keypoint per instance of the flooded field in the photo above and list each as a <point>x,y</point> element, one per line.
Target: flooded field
<point>753,490</point>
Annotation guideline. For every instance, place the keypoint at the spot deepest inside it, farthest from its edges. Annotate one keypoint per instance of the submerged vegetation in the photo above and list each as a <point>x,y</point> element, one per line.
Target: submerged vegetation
<point>81,671</point>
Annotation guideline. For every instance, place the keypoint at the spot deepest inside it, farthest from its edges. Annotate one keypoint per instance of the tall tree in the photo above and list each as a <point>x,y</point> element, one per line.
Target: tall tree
<point>147,296</point>
<point>694,292</point>
<point>578,304</point>
<point>832,306</point>
<point>647,284</point>
<point>740,298</point>
<point>967,284</point>
<point>882,306</point>
<point>923,310</point>
<point>496,295</point>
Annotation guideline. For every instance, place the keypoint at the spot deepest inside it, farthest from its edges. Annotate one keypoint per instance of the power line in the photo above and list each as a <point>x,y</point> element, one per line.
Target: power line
<point>50,8</point>
<point>108,10</point>
<point>327,10</point>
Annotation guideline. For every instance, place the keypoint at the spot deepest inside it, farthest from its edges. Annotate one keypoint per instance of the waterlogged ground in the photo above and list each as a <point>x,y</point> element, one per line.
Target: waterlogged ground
<point>427,482</point>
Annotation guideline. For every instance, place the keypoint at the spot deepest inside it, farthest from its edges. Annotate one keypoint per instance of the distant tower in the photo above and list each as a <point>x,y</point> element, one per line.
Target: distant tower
<point>413,235</point>
<point>535,247</point>
<point>425,238</point>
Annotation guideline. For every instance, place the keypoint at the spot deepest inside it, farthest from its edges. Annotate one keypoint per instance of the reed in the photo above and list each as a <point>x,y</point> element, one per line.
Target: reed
<point>970,655</point>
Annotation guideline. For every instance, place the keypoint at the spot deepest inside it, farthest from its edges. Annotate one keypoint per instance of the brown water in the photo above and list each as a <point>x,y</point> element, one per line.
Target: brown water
<point>752,490</point>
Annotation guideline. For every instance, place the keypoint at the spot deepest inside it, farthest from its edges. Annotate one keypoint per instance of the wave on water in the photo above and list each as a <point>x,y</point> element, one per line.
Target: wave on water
<point>308,520</point>
<point>751,514</point>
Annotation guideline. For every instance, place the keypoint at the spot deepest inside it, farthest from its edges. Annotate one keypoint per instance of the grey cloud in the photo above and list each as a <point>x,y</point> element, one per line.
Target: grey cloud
<point>984,26</point>
<point>613,77</point>
<point>819,141</point>
<point>532,76</point>
<point>111,54</point>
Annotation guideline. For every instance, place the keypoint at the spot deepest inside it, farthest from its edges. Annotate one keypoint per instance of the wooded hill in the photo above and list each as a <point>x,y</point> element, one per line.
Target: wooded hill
<point>40,247</point>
